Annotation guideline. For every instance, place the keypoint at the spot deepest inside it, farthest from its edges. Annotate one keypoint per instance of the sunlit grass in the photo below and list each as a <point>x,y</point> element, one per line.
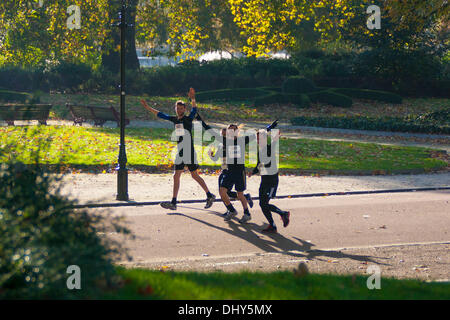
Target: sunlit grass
<point>150,284</point>
<point>71,145</point>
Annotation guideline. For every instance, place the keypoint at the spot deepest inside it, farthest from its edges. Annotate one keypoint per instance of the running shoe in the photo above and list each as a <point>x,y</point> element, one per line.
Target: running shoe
<point>285,218</point>
<point>230,215</point>
<point>169,205</point>
<point>245,218</point>
<point>210,201</point>
<point>270,229</point>
<point>249,200</point>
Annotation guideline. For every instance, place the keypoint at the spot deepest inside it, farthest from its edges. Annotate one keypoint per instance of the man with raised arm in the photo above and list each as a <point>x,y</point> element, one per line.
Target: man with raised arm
<point>183,130</point>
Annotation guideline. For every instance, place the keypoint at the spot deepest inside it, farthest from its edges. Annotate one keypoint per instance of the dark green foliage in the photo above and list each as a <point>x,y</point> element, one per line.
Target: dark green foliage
<point>13,96</point>
<point>243,94</point>
<point>69,76</point>
<point>368,123</point>
<point>298,85</point>
<point>300,100</point>
<point>376,95</point>
<point>332,98</point>
<point>439,116</point>
<point>41,235</point>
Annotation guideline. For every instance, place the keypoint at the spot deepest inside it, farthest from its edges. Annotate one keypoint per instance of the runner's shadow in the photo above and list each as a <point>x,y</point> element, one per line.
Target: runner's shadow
<point>278,243</point>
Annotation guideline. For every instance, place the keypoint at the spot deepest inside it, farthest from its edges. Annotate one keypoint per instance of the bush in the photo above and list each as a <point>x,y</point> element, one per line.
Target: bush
<point>68,76</point>
<point>300,100</point>
<point>42,235</point>
<point>370,94</point>
<point>332,98</point>
<point>20,79</point>
<point>244,94</point>
<point>298,85</point>
<point>368,123</point>
<point>13,96</point>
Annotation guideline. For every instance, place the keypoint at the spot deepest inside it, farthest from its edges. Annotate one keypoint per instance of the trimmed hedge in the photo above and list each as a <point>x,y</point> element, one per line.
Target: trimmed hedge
<point>230,94</point>
<point>13,96</point>
<point>368,123</point>
<point>300,100</point>
<point>376,95</point>
<point>298,85</point>
<point>332,98</point>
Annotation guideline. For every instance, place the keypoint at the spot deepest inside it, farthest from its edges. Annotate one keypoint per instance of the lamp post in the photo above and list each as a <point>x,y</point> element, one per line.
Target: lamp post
<point>122,171</point>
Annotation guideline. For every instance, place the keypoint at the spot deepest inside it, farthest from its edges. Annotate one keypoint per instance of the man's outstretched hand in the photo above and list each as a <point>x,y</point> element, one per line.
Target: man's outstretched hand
<point>191,94</point>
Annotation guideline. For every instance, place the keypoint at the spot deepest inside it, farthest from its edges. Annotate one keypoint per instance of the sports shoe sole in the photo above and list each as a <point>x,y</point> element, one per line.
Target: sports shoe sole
<point>286,223</point>
<point>245,219</point>
<point>209,202</point>
<point>230,215</point>
<point>168,206</point>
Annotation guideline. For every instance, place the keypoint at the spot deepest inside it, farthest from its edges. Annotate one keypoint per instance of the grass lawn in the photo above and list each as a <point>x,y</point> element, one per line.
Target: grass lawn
<point>150,149</point>
<point>243,111</point>
<point>283,285</point>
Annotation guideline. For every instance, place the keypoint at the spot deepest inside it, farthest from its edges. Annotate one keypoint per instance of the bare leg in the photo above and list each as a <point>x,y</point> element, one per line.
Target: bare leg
<point>243,200</point>
<point>200,181</point>
<point>224,196</point>
<point>176,182</point>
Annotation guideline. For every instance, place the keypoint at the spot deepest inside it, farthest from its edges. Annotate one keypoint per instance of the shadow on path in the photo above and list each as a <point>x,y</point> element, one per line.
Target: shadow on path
<point>277,243</point>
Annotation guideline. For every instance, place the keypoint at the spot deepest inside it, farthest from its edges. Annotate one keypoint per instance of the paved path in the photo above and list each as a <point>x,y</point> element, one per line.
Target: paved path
<point>397,232</point>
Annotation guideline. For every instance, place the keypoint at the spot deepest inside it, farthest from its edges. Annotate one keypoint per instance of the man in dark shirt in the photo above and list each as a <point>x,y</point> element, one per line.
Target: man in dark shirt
<point>267,167</point>
<point>186,154</point>
<point>231,194</point>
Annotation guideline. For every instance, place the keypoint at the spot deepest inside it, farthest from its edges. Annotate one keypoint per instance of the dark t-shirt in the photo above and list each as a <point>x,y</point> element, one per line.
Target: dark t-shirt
<point>234,153</point>
<point>183,127</point>
<point>267,165</point>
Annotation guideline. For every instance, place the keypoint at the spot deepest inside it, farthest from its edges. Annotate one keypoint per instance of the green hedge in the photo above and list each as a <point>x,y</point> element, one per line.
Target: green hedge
<point>300,100</point>
<point>230,94</point>
<point>298,85</point>
<point>13,96</point>
<point>332,98</point>
<point>368,123</point>
<point>377,95</point>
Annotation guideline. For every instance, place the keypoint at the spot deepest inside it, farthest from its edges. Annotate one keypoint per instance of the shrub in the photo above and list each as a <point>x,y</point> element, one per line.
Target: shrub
<point>370,94</point>
<point>42,235</point>
<point>20,79</point>
<point>332,98</point>
<point>231,94</point>
<point>368,123</point>
<point>298,85</point>
<point>68,76</point>
<point>13,96</point>
<point>300,100</point>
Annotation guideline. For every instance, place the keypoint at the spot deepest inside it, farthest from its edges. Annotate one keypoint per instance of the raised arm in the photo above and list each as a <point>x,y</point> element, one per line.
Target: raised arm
<point>191,95</point>
<point>146,106</point>
<point>157,113</point>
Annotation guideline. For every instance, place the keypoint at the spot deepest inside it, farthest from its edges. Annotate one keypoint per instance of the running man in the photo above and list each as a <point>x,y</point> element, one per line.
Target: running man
<point>269,180</point>
<point>231,194</point>
<point>183,129</point>
<point>233,173</point>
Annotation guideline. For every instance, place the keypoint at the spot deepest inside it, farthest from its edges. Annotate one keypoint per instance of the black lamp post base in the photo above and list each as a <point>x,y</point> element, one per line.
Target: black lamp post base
<point>122,185</point>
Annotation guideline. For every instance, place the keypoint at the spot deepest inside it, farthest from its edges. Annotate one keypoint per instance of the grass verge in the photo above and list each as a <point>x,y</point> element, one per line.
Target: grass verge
<point>283,285</point>
<point>85,149</point>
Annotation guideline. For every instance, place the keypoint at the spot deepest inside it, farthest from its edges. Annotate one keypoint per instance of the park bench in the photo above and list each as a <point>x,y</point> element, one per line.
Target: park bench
<point>11,112</point>
<point>100,115</point>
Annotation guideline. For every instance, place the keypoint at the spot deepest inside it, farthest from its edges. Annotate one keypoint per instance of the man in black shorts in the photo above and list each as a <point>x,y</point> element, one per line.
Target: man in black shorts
<point>267,167</point>
<point>231,194</point>
<point>186,155</point>
<point>233,173</point>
